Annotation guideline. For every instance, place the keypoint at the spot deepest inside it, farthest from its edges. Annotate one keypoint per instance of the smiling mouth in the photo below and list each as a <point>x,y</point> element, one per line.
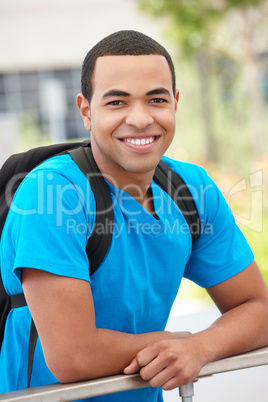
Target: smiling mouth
<point>139,141</point>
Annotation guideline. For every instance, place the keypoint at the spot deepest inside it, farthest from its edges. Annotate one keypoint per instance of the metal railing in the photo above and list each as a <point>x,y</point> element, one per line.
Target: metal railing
<point>119,383</point>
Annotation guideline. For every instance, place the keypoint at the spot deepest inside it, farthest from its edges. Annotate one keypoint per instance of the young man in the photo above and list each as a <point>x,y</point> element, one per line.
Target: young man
<point>114,321</point>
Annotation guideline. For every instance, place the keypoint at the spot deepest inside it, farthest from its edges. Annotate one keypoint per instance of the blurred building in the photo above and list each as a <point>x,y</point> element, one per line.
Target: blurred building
<point>42,46</point>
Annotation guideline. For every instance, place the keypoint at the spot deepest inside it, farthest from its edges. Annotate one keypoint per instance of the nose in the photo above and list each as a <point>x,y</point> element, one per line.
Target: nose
<point>139,117</point>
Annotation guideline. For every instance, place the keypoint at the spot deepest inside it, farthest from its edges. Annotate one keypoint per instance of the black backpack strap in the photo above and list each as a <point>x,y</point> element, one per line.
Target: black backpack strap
<point>31,349</point>
<point>101,236</point>
<point>177,189</point>
<point>18,300</point>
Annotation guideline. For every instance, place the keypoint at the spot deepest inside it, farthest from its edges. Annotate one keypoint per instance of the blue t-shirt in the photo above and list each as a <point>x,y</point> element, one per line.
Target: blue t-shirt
<point>48,227</point>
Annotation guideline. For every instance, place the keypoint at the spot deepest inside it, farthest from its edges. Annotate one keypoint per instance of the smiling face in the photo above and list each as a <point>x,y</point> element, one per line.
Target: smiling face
<point>131,115</point>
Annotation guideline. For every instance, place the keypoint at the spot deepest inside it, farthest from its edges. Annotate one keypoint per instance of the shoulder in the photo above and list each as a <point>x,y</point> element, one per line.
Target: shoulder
<point>59,172</point>
<point>61,165</point>
<point>56,197</point>
<point>189,172</point>
<point>55,185</point>
<point>208,198</point>
<point>196,179</point>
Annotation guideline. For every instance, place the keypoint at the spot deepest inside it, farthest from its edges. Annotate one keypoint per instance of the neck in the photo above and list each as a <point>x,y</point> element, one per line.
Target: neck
<point>136,184</point>
<point>139,187</point>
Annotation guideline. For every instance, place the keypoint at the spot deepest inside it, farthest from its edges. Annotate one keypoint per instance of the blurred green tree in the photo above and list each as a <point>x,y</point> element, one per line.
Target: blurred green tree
<point>243,30</point>
<point>206,30</point>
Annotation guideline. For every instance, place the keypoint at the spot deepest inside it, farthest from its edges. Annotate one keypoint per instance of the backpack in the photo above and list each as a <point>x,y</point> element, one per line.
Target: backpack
<point>18,166</point>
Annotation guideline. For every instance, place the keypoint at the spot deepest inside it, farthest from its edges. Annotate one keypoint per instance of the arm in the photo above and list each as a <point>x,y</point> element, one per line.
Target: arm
<point>74,349</point>
<point>243,326</point>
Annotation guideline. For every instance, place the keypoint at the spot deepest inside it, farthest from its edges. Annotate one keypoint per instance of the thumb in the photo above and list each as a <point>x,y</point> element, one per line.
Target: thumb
<point>132,368</point>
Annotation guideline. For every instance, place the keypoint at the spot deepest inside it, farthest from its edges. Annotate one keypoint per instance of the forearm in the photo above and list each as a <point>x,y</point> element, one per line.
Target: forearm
<point>241,329</point>
<point>243,326</point>
<point>114,350</point>
<point>172,363</point>
<point>105,352</point>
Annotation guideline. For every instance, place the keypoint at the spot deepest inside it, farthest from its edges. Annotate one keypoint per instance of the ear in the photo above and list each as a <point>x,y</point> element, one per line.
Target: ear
<point>83,106</point>
<point>177,96</point>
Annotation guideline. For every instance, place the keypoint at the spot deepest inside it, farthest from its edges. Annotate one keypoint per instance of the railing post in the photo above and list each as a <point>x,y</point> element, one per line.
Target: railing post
<point>187,392</point>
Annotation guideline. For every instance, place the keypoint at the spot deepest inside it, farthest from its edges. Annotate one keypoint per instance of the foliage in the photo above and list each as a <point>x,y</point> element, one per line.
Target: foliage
<point>250,208</point>
<point>190,20</point>
<point>222,38</point>
<point>193,22</point>
<point>231,119</point>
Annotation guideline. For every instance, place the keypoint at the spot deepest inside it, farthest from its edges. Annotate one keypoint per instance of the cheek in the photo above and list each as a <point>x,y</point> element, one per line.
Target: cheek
<point>105,124</point>
<point>167,120</point>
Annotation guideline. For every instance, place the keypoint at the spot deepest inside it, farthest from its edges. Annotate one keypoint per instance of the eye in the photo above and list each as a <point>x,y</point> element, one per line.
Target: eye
<point>115,103</point>
<point>158,100</point>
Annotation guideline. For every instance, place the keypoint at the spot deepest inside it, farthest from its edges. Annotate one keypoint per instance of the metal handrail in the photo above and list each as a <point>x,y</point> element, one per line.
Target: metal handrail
<point>119,383</point>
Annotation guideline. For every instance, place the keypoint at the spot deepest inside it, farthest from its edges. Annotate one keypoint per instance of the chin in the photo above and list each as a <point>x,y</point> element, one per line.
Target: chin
<point>142,168</point>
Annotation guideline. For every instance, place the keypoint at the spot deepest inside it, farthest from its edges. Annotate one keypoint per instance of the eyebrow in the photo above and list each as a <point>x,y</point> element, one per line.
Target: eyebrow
<point>115,92</point>
<point>119,93</point>
<point>158,91</point>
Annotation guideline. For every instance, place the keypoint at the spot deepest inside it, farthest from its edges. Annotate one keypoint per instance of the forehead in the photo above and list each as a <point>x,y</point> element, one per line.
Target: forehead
<point>131,71</point>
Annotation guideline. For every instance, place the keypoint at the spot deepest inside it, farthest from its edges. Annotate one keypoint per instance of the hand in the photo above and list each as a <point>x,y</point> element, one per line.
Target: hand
<point>168,363</point>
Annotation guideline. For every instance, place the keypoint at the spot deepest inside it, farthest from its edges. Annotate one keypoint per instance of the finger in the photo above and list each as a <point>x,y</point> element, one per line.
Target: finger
<point>178,380</point>
<point>172,383</point>
<point>132,368</point>
<point>162,377</point>
<point>182,335</point>
<point>152,369</point>
<point>147,355</point>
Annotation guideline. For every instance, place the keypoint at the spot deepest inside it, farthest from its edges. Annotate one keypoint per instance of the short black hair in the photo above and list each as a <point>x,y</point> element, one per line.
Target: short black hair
<point>122,43</point>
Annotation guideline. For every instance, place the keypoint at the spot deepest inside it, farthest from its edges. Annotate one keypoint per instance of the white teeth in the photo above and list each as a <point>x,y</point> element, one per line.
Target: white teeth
<point>138,141</point>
